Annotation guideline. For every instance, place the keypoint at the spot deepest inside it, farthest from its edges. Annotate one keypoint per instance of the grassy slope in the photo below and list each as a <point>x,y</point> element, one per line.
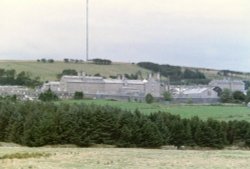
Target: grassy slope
<point>48,71</point>
<point>112,158</point>
<point>225,113</point>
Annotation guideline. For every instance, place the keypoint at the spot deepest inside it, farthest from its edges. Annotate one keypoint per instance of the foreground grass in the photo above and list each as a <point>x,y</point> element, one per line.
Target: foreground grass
<point>111,158</point>
<point>24,155</point>
<point>225,113</point>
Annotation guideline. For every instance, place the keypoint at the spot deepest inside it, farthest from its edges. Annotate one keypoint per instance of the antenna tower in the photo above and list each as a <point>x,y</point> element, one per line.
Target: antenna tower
<point>87,30</point>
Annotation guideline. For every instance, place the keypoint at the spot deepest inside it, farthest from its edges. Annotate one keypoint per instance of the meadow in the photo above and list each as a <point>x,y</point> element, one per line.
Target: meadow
<point>117,158</point>
<point>218,112</point>
<point>49,71</point>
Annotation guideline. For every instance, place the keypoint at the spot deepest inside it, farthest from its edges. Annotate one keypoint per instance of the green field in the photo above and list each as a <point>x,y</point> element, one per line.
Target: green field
<point>226,112</point>
<point>114,158</point>
<point>48,71</point>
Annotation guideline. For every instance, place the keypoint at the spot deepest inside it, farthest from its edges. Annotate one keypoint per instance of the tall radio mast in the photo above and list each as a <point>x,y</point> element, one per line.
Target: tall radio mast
<point>87,30</point>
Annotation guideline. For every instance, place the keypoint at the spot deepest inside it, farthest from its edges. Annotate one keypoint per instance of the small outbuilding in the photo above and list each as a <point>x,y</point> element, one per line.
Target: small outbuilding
<point>197,95</point>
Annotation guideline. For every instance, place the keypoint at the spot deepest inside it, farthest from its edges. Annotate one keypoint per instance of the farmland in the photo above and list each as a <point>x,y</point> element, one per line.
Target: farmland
<point>49,71</point>
<point>113,158</point>
<point>218,112</point>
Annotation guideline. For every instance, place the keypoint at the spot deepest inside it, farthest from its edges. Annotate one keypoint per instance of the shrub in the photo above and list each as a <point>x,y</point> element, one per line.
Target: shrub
<point>48,96</point>
<point>239,96</point>
<point>149,98</point>
<point>78,95</point>
<point>167,96</point>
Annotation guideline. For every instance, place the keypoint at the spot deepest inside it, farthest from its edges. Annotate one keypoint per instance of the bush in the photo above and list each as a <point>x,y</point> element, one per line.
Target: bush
<point>149,98</point>
<point>78,95</point>
<point>51,61</point>
<point>48,96</point>
<point>226,96</point>
<point>167,96</point>
<point>239,96</point>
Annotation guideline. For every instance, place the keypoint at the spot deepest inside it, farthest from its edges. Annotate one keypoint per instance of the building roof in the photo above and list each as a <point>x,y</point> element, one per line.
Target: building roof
<point>53,83</point>
<point>225,81</point>
<point>139,82</point>
<point>117,81</point>
<point>195,91</point>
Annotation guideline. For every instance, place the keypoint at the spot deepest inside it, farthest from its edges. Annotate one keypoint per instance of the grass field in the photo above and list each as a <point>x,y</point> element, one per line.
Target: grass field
<point>48,71</point>
<point>114,158</point>
<point>227,112</point>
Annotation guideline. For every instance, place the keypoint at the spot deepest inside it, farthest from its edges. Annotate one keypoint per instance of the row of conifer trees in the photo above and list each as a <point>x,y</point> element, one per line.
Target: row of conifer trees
<point>39,124</point>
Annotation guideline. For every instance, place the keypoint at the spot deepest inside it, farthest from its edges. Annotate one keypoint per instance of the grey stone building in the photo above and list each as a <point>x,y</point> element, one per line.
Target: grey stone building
<point>21,92</point>
<point>233,85</point>
<point>100,87</point>
<point>195,95</point>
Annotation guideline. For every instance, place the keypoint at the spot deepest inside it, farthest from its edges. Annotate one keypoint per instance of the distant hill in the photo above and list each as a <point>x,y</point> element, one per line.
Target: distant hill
<point>181,75</point>
<point>49,71</point>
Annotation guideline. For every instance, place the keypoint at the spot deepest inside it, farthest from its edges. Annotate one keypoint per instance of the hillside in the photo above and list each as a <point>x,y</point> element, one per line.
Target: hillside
<point>214,74</point>
<point>49,71</point>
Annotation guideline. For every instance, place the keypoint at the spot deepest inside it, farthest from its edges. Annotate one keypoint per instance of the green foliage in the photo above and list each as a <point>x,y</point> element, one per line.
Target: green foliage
<point>24,79</point>
<point>248,96</point>
<point>9,77</point>
<point>66,60</point>
<point>229,73</point>
<point>131,76</point>
<point>226,96</point>
<point>43,60</point>
<point>247,138</point>
<point>189,74</point>
<point>149,98</point>
<point>102,61</point>
<point>70,72</point>
<point>175,74</point>
<point>78,95</point>
<point>48,96</point>
<point>167,96</point>
<point>178,130</point>
<point>51,61</point>
<point>239,96</point>
<point>43,123</point>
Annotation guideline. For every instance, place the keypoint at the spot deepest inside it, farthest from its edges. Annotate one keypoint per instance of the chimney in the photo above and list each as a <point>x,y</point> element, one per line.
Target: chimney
<point>149,75</point>
<point>158,76</point>
<point>81,73</point>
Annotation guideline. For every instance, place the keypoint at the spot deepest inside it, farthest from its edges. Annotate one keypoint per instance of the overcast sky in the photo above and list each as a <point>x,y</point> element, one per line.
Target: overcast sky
<point>200,33</point>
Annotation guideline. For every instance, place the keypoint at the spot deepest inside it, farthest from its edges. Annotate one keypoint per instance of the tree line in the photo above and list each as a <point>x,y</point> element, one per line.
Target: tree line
<point>98,61</point>
<point>10,77</point>
<point>45,123</point>
<point>175,73</point>
<point>67,60</point>
<point>228,96</point>
<point>43,60</point>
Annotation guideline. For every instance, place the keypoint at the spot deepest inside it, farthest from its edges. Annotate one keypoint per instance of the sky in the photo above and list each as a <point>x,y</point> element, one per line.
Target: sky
<point>197,33</point>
